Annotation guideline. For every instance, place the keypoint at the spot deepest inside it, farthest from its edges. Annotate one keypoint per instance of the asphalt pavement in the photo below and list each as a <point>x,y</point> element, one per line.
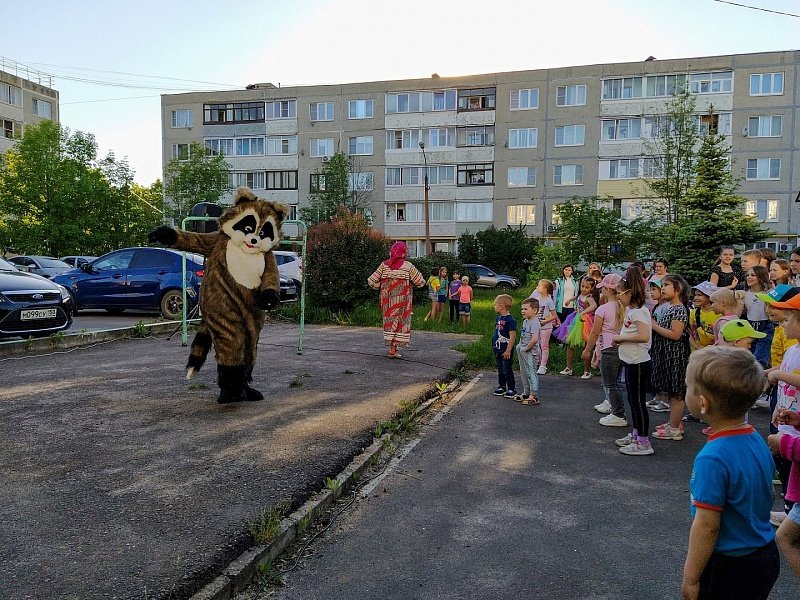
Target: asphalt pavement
<point>120,479</point>
<point>504,501</point>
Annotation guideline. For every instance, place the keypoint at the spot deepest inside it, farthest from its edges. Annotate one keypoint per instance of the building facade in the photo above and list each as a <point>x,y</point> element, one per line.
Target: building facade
<point>503,148</point>
<point>26,96</point>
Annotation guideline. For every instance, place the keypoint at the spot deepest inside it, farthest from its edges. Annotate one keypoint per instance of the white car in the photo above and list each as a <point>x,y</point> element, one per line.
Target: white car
<point>290,265</point>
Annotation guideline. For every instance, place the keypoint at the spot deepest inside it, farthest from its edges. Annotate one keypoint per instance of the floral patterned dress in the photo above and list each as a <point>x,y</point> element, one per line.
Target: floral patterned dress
<point>396,300</point>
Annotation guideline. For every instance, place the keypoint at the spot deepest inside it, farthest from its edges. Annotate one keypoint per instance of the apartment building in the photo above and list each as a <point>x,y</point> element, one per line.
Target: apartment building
<point>503,148</point>
<point>26,96</point>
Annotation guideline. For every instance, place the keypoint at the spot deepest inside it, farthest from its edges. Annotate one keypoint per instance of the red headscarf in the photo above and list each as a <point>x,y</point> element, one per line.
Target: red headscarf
<point>397,255</point>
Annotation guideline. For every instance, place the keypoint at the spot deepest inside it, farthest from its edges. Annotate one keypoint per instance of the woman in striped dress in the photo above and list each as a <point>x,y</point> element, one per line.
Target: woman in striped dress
<point>394,278</point>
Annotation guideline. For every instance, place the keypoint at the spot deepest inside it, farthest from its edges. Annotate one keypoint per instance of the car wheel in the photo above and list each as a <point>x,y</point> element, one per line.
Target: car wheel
<point>172,305</point>
<point>115,311</point>
<point>503,286</point>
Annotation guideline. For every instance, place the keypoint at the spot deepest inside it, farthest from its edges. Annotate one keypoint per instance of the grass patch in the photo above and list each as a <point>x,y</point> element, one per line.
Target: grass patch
<point>268,523</point>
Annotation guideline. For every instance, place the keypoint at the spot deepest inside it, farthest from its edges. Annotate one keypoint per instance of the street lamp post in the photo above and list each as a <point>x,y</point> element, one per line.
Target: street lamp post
<point>427,211</point>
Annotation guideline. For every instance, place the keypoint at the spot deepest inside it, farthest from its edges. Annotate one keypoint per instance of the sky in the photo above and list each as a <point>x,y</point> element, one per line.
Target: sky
<point>112,59</point>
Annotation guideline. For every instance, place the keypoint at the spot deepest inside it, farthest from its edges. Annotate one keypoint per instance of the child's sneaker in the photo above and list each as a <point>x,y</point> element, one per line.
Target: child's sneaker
<point>661,406</point>
<point>652,403</point>
<point>586,375</point>
<point>566,371</point>
<point>510,394</point>
<point>707,431</point>
<point>520,397</point>
<point>613,421</point>
<point>500,391</point>
<point>626,441</point>
<point>637,449</point>
<point>668,433</point>
<point>777,517</point>
<point>541,370</point>
<point>603,408</point>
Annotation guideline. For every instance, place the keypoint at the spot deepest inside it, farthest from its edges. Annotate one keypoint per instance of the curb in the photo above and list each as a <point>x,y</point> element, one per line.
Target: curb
<point>88,338</point>
<point>240,573</point>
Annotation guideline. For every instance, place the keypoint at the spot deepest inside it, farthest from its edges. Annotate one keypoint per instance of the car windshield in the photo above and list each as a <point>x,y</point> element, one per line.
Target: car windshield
<point>6,266</point>
<point>51,262</point>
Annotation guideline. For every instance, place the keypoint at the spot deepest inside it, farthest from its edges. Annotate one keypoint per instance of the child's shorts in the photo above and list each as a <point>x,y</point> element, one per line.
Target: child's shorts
<point>794,514</point>
<point>434,297</point>
<point>463,308</point>
<point>441,299</point>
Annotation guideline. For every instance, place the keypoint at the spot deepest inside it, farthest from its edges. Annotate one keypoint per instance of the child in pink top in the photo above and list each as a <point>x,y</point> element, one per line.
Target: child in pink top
<point>787,446</point>
<point>464,299</point>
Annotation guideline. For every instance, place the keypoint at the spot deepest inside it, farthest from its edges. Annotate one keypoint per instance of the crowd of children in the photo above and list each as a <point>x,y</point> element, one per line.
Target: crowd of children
<point>709,353</point>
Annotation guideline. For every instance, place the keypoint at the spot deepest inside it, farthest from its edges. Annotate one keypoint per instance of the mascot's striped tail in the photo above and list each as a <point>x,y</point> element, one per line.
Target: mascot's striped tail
<point>201,344</point>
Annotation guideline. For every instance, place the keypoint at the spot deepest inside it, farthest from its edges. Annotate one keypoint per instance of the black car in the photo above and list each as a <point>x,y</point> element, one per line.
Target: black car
<point>31,305</point>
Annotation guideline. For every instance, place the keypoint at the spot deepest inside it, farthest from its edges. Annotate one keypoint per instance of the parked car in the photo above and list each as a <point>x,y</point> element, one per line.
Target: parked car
<point>46,266</point>
<point>76,261</point>
<point>290,265</point>
<point>135,278</point>
<point>484,277</point>
<point>289,291</point>
<point>31,305</point>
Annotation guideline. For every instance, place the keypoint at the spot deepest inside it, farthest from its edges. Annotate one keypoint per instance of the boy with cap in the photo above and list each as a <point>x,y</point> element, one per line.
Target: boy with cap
<point>740,334</point>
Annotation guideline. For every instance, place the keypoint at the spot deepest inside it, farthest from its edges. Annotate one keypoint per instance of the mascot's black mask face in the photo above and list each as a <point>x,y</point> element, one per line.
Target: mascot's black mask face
<point>250,233</point>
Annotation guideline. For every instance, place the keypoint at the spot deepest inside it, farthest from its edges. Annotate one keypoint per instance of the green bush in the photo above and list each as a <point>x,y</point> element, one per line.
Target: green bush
<point>508,250</point>
<point>342,253</point>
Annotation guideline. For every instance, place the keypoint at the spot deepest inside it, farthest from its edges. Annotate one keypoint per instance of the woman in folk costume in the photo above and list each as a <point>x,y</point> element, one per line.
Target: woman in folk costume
<point>394,278</point>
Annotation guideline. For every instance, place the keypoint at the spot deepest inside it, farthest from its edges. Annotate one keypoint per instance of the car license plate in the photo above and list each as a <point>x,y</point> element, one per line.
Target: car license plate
<point>38,313</point>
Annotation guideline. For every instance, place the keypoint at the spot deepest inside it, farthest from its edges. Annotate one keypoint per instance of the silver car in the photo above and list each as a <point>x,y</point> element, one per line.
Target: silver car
<point>46,266</point>
<point>484,277</point>
<point>290,265</point>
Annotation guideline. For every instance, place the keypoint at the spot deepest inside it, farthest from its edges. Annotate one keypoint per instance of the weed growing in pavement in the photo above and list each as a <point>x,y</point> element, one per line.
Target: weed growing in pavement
<point>333,484</point>
<point>140,330</point>
<point>388,446</point>
<point>198,386</point>
<point>459,373</point>
<point>57,339</point>
<point>378,430</point>
<point>268,576</point>
<point>441,387</point>
<point>304,523</point>
<point>83,331</point>
<point>29,343</point>
<point>268,524</point>
<point>297,380</point>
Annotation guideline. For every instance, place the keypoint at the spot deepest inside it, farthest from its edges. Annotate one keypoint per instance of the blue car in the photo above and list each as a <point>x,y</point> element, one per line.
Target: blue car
<point>138,278</point>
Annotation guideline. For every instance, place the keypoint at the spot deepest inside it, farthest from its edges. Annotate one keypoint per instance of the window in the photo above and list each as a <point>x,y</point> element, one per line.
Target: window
<point>181,151</point>
<point>628,87</point>
<point>10,94</point>
<point>476,136</point>
<point>521,214</point>
<point>360,109</point>
<point>665,85</point>
<point>621,129</point>
<point>282,109</point>
<point>623,168</point>
<point>711,83</point>
<point>715,124</point>
<point>397,212</point>
<point>181,118</point>
<point>154,260</point>
<point>525,99</point>
<point>253,180</point>
<point>766,84</point>
<point>281,180</point>
<point>522,138</point>
<point>361,145</point>
<point>440,175</point>
<point>321,111</point>
<point>321,147</point>
<point>11,129</point>
<point>220,146</point>
<point>476,174</point>
<point>250,146</point>
<point>281,144</point>
<point>764,168</point>
<point>763,210</point>
<point>521,176</point>
<point>481,99</point>
<point>406,102</point>
<point>568,175</point>
<point>766,126</point>
<point>571,95</point>
<point>570,135</point>
<point>442,137</point>
<point>442,211</point>
<point>317,183</point>
<point>361,182</point>
<point>474,211</point>
<point>42,108</point>
<point>403,139</point>
<point>652,167</point>
<point>233,112</point>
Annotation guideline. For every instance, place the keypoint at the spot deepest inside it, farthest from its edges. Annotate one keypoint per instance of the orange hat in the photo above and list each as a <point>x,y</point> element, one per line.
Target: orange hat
<point>791,304</point>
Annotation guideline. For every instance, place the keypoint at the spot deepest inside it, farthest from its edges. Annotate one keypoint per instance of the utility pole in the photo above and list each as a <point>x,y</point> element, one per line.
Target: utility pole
<point>427,210</point>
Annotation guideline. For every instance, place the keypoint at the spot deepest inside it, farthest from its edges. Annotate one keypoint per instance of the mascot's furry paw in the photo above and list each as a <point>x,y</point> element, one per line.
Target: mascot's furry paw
<point>268,299</point>
<point>252,395</point>
<point>163,235</point>
<point>229,395</point>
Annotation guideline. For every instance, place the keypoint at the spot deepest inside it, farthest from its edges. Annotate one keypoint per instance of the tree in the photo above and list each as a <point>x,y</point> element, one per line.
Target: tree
<point>507,250</point>
<point>710,214</point>
<point>672,151</point>
<point>197,176</point>
<point>338,184</point>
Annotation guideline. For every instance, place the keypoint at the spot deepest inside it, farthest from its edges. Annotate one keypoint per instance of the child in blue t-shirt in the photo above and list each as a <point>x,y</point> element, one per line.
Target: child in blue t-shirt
<point>732,551</point>
<point>505,332</point>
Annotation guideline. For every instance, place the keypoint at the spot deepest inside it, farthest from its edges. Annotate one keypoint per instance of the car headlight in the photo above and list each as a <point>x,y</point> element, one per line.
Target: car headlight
<point>65,295</point>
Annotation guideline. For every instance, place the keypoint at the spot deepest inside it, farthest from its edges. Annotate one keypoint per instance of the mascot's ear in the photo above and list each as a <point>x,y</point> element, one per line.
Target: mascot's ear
<point>282,209</point>
<point>244,194</point>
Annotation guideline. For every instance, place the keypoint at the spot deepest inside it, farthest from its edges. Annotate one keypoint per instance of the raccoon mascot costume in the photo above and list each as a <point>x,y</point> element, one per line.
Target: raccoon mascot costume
<point>240,281</point>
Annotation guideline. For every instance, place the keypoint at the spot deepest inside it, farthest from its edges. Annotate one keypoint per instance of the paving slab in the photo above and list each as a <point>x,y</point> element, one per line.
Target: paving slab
<point>120,479</point>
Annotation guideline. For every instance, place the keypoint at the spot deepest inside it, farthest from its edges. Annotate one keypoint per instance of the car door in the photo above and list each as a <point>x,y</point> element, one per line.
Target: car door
<point>24,263</point>
<point>148,275</point>
<point>107,284</point>
<point>485,277</point>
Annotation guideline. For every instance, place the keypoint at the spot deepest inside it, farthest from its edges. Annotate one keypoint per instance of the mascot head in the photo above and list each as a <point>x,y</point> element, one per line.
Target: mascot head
<point>253,224</point>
